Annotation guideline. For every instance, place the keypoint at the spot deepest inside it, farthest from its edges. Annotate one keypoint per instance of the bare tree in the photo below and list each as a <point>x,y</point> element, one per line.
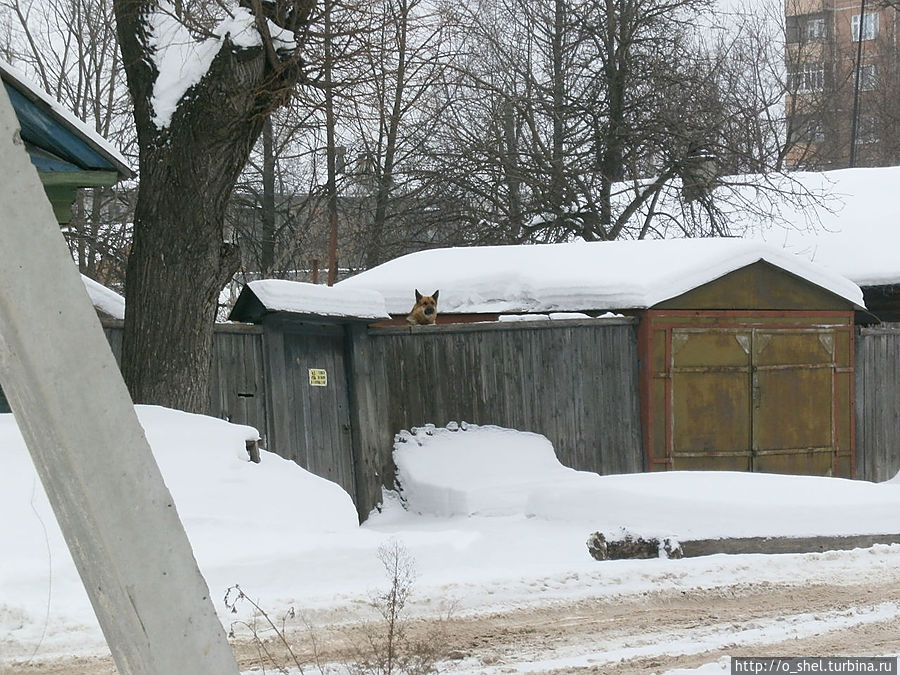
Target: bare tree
<point>69,47</point>
<point>571,100</point>
<point>274,210</point>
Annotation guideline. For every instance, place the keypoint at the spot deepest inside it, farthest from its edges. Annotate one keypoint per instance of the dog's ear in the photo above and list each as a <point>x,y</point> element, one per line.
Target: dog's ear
<point>418,295</point>
<point>435,295</point>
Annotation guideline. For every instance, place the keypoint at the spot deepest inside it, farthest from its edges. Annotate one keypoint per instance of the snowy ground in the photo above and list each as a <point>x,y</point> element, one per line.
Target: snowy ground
<point>497,529</point>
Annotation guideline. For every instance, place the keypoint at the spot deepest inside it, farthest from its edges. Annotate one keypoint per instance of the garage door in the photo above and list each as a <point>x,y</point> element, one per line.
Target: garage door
<point>759,399</point>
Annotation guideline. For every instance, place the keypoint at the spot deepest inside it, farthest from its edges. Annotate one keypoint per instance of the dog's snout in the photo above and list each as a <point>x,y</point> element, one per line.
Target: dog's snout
<point>429,310</point>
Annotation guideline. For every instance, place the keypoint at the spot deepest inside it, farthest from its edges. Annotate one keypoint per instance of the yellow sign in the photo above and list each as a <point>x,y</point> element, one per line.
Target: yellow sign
<point>318,377</point>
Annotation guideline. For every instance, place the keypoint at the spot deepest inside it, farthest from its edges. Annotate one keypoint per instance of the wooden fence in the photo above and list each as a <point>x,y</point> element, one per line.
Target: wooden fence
<point>572,381</point>
<point>575,382</point>
<point>878,403</point>
<point>237,378</point>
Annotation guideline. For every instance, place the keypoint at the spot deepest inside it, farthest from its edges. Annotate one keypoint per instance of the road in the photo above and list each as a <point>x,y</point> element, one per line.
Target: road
<point>635,634</point>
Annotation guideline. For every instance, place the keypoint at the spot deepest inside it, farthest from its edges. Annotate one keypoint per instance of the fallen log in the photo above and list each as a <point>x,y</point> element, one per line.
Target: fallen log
<point>628,546</point>
<point>813,544</point>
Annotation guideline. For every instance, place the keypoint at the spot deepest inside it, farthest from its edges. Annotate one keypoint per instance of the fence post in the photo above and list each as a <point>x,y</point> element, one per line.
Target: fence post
<point>89,449</point>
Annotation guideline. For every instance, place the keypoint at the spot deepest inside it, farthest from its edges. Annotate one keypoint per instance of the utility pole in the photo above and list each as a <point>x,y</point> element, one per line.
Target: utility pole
<point>331,150</point>
<point>88,447</point>
<point>854,122</point>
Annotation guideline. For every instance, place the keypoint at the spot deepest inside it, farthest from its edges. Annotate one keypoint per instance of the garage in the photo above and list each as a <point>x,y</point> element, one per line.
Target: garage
<point>750,372</point>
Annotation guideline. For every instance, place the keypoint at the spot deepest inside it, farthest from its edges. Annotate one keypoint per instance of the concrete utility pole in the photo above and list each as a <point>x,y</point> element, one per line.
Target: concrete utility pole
<point>854,119</point>
<point>90,451</point>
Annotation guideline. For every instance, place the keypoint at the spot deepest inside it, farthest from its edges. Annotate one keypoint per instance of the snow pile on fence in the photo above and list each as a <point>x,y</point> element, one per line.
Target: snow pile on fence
<point>104,299</point>
<point>303,298</point>
<point>467,470</point>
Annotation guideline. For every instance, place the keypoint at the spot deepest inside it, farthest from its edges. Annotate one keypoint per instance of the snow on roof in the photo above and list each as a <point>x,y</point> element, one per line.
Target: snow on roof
<point>20,81</point>
<point>577,276</point>
<point>858,233</point>
<point>278,295</point>
<point>105,299</point>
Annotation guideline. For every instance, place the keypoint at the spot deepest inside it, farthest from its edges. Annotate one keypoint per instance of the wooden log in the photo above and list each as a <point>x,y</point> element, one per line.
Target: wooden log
<point>631,547</point>
<point>739,545</point>
<point>253,451</point>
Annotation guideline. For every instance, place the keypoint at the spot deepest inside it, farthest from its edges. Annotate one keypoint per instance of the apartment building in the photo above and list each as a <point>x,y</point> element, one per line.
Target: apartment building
<point>842,60</point>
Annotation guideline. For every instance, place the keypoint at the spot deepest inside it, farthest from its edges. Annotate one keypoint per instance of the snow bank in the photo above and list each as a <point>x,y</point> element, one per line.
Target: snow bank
<point>291,539</point>
<point>472,470</point>
<point>247,523</point>
<point>490,471</point>
<point>224,499</point>
<point>230,506</point>
<point>710,505</point>
<point>578,276</point>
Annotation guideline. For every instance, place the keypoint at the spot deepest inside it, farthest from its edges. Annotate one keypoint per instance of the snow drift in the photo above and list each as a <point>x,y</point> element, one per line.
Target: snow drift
<point>490,471</point>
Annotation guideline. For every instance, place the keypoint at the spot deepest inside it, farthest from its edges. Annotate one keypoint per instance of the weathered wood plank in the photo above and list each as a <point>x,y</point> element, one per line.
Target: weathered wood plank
<point>547,377</point>
<point>742,545</point>
<point>371,434</point>
<point>877,404</point>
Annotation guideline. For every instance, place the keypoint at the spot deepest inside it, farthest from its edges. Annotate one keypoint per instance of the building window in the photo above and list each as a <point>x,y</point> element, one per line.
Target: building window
<point>815,132</point>
<point>792,29</point>
<point>865,132</point>
<point>869,29</point>
<point>809,28</point>
<point>868,78</point>
<point>815,30</point>
<point>807,130</point>
<point>808,77</point>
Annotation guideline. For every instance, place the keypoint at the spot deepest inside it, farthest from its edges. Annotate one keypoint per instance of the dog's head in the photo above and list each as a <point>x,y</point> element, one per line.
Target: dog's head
<point>424,312</point>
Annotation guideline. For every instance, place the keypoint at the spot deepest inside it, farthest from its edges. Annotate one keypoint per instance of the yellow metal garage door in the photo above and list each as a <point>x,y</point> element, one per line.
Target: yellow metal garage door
<point>760,399</point>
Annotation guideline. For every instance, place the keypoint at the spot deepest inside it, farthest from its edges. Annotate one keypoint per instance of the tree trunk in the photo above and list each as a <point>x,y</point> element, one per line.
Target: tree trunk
<point>179,261</point>
<point>512,170</point>
<point>331,151</point>
<point>177,267</point>
<point>611,141</point>
<point>557,196</point>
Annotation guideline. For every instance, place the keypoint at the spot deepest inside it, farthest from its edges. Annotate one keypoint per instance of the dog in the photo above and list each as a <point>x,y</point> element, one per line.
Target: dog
<point>424,312</point>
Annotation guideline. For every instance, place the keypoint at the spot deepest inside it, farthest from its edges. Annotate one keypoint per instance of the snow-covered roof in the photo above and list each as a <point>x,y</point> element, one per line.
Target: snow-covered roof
<point>16,79</point>
<point>277,295</point>
<point>105,299</point>
<point>577,276</point>
<point>858,233</point>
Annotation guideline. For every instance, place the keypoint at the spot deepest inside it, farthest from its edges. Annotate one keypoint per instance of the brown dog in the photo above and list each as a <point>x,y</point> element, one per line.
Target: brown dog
<point>424,312</point>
